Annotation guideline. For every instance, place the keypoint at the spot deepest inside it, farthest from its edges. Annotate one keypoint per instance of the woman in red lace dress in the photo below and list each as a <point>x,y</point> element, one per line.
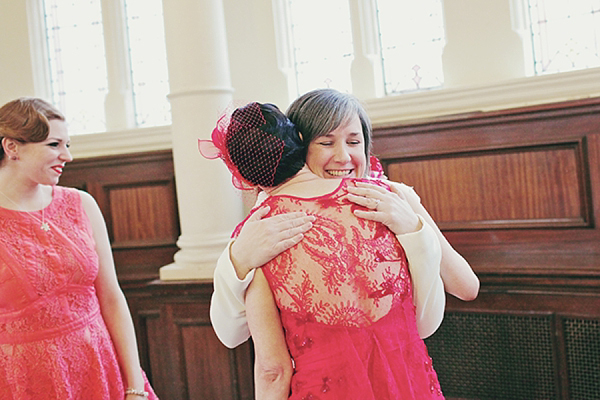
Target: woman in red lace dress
<point>65,329</point>
<point>344,294</point>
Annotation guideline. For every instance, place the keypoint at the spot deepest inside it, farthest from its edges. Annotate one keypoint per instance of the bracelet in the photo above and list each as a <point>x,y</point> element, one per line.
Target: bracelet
<point>135,392</point>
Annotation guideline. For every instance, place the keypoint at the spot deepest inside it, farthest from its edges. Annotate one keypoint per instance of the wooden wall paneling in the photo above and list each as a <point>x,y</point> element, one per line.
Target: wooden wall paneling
<point>515,188</point>
<point>139,223</point>
<point>150,332</point>
<point>515,191</point>
<point>207,376</point>
<point>137,212</point>
<point>136,193</point>
<point>186,359</point>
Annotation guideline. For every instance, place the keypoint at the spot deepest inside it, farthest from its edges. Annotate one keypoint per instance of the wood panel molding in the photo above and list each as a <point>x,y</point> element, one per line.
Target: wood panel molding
<point>136,193</point>
<point>517,192</point>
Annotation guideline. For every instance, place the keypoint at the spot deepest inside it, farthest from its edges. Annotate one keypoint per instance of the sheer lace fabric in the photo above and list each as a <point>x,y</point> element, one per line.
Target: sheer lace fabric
<point>345,300</point>
<point>53,341</point>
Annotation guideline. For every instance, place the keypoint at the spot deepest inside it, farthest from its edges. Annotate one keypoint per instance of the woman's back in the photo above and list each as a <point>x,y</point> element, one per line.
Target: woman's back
<point>345,299</point>
<point>346,271</point>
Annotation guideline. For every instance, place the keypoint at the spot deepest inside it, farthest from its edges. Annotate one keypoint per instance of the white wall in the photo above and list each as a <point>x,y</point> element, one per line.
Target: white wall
<point>16,74</point>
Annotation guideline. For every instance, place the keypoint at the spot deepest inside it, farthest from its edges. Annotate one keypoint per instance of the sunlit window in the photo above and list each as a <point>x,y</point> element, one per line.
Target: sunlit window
<point>410,37</point>
<point>565,34</point>
<point>78,64</point>
<point>322,38</point>
<point>148,62</point>
<point>412,41</point>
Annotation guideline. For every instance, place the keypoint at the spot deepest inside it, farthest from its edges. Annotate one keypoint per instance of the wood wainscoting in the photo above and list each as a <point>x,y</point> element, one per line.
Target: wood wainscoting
<point>517,193</point>
<point>136,193</point>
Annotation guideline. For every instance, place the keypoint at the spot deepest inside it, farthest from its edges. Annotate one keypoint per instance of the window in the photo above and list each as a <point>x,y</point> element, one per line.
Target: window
<point>147,52</point>
<point>78,59</point>
<point>322,42</point>
<point>412,41</point>
<point>409,37</point>
<point>75,42</point>
<point>565,34</point>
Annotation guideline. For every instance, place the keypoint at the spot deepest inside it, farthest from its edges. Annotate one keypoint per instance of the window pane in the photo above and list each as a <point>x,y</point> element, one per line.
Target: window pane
<point>565,34</point>
<point>412,41</point>
<point>77,62</point>
<point>322,38</point>
<point>145,28</point>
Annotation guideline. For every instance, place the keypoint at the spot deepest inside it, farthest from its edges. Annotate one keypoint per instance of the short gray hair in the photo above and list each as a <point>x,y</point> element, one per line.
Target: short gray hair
<point>321,111</point>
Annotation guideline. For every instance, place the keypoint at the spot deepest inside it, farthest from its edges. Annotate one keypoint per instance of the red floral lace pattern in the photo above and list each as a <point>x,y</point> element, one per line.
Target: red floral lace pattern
<point>53,341</point>
<point>345,300</point>
<point>346,271</point>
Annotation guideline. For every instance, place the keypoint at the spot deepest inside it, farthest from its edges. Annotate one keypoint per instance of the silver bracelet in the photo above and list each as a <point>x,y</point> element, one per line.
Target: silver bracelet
<point>135,392</point>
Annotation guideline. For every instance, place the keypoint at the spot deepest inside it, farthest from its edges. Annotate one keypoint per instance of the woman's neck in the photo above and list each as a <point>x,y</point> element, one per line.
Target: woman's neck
<point>17,195</point>
<point>304,184</point>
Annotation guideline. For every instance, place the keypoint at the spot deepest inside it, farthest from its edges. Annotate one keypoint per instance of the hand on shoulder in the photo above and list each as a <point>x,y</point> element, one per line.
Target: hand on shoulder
<point>391,208</point>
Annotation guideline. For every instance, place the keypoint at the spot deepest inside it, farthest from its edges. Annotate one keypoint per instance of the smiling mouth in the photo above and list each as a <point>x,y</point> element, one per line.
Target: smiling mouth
<point>339,172</point>
<point>58,169</point>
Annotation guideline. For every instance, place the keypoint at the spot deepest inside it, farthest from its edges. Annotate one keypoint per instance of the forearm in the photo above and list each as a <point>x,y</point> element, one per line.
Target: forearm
<point>423,252</point>
<point>120,326</point>
<point>272,382</point>
<point>273,366</point>
<point>227,306</point>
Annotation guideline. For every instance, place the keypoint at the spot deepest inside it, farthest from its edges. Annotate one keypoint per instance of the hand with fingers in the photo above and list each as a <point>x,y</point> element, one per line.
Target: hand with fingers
<point>262,239</point>
<point>390,208</point>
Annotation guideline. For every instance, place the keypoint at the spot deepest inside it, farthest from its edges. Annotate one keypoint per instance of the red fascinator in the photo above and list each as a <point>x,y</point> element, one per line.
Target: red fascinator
<point>376,168</point>
<point>251,154</point>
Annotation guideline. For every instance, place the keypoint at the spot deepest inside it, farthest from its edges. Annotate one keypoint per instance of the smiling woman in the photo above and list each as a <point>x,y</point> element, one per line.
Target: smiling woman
<point>341,152</point>
<point>62,312</point>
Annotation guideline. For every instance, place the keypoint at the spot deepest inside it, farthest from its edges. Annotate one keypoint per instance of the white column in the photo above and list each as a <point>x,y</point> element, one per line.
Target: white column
<point>481,44</point>
<point>119,99</point>
<point>209,206</point>
<point>366,69</point>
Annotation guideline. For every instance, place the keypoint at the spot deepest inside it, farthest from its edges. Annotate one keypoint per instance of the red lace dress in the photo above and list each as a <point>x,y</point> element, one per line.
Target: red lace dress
<point>53,341</point>
<point>345,300</point>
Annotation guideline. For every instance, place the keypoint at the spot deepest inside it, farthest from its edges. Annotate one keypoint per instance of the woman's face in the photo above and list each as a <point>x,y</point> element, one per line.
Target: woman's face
<point>43,162</point>
<point>339,153</point>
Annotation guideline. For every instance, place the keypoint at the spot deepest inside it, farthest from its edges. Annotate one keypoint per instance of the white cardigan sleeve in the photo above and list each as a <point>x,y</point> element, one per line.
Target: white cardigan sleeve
<point>424,256</point>
<point>227,305</point>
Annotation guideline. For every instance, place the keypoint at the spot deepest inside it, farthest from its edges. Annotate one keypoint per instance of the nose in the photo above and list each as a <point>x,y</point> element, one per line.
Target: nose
<point>341,154</point>
<point>66,155</point>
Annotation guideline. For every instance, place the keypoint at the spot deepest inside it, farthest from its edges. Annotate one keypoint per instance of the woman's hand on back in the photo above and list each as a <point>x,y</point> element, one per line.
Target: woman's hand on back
<point>262,239</point>
<point>390,208</point>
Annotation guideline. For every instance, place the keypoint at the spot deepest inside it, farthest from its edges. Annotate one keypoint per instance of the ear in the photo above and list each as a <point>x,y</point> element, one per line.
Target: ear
<point>10,146</point>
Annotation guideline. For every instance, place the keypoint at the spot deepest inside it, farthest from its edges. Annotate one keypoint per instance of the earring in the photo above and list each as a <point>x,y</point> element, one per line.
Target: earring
<point>14,158</point>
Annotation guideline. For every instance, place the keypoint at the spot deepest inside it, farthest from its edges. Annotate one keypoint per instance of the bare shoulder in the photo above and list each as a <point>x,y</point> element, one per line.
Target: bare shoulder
<point>89,204</point>
<point>87,199</point>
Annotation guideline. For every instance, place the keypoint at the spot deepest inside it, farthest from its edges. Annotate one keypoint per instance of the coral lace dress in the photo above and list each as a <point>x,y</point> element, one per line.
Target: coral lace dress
<point>345,299</point>
<point>53,341</point>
